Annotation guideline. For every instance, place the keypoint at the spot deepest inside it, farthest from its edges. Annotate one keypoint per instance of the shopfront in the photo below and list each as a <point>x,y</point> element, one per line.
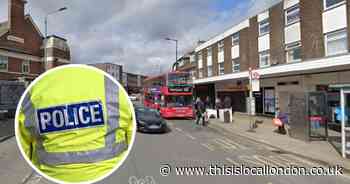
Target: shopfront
<point>339,126</point>
<point>265,101</point>
<point>205,92</point>
<point>233,94</point>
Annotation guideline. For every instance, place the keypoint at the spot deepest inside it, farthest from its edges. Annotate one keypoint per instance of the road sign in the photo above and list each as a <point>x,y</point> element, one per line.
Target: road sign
<point>255,85</point>
<point>255,75</point>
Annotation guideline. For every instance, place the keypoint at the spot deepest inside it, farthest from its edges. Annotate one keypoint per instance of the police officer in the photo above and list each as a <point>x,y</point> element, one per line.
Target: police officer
<point>75,124</point>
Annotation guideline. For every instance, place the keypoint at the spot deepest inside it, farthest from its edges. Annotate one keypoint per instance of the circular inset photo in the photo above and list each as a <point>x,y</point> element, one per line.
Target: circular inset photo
<point>75,124</point>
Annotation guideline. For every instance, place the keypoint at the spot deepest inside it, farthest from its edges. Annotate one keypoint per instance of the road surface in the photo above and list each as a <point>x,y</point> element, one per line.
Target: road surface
<point>189,145</point>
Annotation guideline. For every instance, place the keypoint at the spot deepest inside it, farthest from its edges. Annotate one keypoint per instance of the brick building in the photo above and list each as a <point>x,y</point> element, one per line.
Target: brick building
<point>114,70</point>
<point>22,53</point>
<point>187,63</point>
<point>133,83</point>
<point>296,46</point>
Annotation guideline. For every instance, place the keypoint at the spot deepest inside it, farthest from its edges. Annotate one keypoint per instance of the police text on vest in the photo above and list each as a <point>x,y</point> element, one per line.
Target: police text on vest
<point>71,116</point>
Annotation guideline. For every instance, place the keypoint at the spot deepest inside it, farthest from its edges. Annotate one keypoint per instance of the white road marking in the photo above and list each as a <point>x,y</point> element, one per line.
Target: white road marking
<point>301,160</point>
<point>234,143</point>
<point>179,129</point>
<point>208,147</point>
<point>249,160</point>
<point>190,136</point>
<point>225,144</point>
<point>289,162</point>
<point>265,161</point>
<point>279,161</point>
<point>232,162</point>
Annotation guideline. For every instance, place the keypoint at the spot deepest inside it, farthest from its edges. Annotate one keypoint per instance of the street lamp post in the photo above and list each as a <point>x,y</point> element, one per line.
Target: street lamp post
<point>176,41</point>
<point>45,42</point>
<point>47,16</point>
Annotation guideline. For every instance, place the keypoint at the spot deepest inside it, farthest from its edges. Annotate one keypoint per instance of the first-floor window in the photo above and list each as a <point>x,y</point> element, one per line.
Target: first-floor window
<point>332,3</point>
<point>210,71</point>
<point>293,52</point>
<point>264,27</point>
<point>236,65</point>
<point>292,15</point>
<point>264,59</point>
<point>221,69</point>
<point>336,43</point>
<point>3,63</point>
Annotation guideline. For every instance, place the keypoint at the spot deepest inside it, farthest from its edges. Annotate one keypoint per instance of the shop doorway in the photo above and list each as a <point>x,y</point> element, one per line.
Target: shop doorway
<point>345,112</point>
<point>339,126</point>
<point>318,115</point>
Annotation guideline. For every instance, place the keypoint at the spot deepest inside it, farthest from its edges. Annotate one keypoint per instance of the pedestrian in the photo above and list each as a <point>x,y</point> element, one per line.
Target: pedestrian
<point>227,102</point>
<point>283,117</point>
<point>217,106</point>
<point>207,104</point>
<point>75,124</point>
<point>199,110</point>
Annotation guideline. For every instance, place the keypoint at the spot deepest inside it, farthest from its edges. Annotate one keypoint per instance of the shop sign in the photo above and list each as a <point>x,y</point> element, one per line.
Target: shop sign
<point>256,85</point>
<point>180,89</point>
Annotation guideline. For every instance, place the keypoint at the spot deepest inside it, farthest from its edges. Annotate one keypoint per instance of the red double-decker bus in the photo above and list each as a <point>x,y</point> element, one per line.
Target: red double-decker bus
<point>171,94</point>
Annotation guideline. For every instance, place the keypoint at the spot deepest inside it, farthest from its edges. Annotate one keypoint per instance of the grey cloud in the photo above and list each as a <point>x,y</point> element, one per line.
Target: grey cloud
<point>132,32</point>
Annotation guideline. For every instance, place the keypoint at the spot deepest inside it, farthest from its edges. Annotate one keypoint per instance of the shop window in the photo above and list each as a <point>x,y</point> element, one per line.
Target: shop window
<point>221,69</point>
<point>293,52</point>
<point>336,43</point>
<point>264,59</point>
<point>292,15</point>
<point>236,65</point>
<point>269,101</point>
<point>264,27</point>
<point>332,3</point>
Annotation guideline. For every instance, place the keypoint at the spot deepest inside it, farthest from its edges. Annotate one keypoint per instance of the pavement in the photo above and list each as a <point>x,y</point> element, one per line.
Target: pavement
<point>6,129</point>
<point>318,151</point>
<point>185,145</point>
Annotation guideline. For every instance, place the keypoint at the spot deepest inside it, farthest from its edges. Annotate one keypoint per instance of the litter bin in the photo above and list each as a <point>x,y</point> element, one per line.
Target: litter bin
<point>227,117</point>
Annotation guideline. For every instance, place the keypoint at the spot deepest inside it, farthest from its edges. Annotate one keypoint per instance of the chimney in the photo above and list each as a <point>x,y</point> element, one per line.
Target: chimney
<point>16,17</point>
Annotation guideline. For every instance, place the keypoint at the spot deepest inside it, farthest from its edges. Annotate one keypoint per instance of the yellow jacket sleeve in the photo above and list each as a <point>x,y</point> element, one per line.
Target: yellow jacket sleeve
<point>126,117</point>
<point>25,136</point>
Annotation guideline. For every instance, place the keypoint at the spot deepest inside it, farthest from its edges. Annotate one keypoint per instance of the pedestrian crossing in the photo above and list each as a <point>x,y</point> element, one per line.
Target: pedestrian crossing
<point>242,151</point>
<point>263,159</point>
<point>285,160</point>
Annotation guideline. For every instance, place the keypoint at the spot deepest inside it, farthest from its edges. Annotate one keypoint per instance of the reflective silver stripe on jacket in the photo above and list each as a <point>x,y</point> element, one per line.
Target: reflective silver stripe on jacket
<point>112,103</point>
<point>30,116</point>
<point>85,157</point>
<point>109,151</point>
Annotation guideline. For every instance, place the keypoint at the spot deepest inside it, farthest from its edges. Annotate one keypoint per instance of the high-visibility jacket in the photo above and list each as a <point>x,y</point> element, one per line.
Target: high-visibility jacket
<point>75,124</point>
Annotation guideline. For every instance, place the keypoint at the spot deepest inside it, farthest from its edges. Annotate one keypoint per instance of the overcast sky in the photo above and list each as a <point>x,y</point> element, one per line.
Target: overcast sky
<point>132,32</point>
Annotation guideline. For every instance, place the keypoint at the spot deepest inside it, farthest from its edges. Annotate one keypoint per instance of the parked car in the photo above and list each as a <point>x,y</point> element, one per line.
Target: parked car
<point>149,120</point>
